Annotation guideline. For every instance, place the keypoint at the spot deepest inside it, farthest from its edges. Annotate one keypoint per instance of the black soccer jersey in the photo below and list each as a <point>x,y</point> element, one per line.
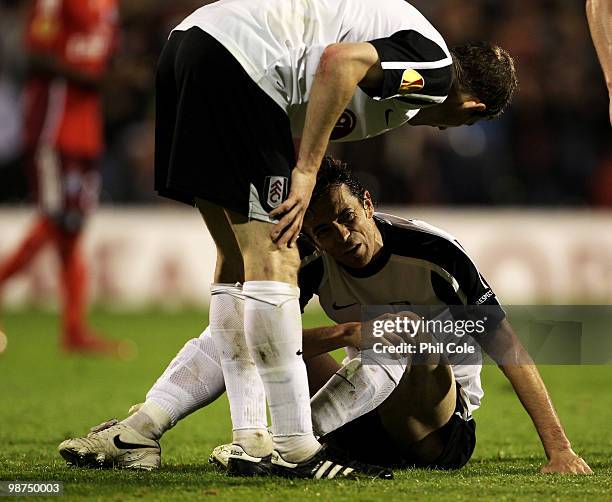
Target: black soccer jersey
<point>419,265</point>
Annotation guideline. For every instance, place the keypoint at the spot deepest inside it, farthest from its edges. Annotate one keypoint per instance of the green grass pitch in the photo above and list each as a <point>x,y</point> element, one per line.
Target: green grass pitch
<point>46,396</point>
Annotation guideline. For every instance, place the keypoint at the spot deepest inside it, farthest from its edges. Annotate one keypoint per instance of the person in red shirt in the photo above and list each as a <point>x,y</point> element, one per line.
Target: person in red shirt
<point>69,44</point>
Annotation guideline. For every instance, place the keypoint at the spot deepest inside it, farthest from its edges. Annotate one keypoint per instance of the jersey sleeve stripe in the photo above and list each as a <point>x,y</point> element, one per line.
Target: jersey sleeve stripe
<point>412,63</point>
<point>415,65</point>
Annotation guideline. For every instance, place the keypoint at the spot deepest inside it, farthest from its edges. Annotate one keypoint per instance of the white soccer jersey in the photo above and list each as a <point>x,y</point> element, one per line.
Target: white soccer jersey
<point>419,265</point>
<point>279,43</point>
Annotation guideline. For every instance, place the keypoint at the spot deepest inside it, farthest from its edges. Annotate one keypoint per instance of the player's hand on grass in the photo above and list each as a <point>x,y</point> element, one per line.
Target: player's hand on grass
<point>566,462</point>
<point>292,210</point>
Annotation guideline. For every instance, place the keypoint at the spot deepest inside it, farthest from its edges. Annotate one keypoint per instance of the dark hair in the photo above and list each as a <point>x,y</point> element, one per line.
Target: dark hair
<point>487,72</point>
<point>334,173</point>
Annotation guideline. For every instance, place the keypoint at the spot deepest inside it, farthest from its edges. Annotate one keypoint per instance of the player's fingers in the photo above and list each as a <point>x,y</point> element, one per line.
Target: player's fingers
<point>286,235</point>
<point>548,469</point>
<point>291,232</point>
<point>580,469</point>
<point>282,225</point>
<point>584,467</point>
<point>297,235</point>
<point>289,203</point>
<point>283,208</point>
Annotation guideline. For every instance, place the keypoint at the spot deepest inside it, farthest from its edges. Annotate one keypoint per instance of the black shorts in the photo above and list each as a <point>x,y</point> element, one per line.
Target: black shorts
<point>218,136</point>
<point>365,439</point>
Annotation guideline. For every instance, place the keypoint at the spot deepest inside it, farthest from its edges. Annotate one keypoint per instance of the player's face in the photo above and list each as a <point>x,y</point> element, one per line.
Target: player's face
<point>343,226</point>
<point>458,109</point>
<point>456,117</point>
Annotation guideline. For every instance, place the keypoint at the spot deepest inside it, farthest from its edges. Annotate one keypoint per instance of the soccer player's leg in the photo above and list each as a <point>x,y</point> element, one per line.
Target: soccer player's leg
<point>320,369</point>
<point>251,442</point>
<point>427,418</point>
<point>388,434</point>
<point>41,231</point>
<point>424,422</point>
<point>80,186</point>
<point>354,389</point>
<point>37,236</point>
<point>417,411</point>
<point>192,380</point>
<point>273,335</point>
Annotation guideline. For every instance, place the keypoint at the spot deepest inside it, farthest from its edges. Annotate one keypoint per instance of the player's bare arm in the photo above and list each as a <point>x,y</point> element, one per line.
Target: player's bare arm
<point>324,339</point>
<point>507,350</point>
<point>599,14</point>
<point>341,69</point>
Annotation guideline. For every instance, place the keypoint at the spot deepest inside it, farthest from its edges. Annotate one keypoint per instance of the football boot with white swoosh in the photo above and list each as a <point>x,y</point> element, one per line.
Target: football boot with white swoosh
<point>112,444</point>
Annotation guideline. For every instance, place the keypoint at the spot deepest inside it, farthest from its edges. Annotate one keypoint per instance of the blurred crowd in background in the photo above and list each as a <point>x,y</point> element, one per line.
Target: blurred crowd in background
<point>553,147</point>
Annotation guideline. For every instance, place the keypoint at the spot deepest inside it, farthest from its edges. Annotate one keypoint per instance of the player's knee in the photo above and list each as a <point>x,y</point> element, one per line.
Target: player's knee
<point>425,373</point>
<point>274,265</point>
<point>284,266</point>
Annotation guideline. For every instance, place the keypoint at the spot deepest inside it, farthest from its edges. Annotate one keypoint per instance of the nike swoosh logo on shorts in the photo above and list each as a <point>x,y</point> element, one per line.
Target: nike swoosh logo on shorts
<point>127,446</point>
<point>340,307</point>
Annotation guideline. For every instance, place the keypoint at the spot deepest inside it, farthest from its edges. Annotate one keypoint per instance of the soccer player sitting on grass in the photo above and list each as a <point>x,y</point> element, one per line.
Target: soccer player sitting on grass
<point>398,415</point>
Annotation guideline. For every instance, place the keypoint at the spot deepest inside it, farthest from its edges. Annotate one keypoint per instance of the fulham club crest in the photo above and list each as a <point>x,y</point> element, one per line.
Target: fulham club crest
<point>276,189</point>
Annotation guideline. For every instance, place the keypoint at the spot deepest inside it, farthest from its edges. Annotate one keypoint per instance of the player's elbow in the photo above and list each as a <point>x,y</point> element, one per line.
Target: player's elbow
<point>351,61</point>
<point>334,58</point>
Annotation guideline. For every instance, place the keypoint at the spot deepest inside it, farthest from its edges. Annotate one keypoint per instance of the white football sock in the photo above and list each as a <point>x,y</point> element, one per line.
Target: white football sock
<point>245,390</point>
<point>274,335</point>
<point>354,390</point>
<point>150,420</point>
<point>192,380</point>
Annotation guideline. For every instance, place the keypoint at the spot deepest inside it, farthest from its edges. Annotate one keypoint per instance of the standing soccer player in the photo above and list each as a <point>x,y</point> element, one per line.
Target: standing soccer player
<point>69,43</point>
<point>236,80</point>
